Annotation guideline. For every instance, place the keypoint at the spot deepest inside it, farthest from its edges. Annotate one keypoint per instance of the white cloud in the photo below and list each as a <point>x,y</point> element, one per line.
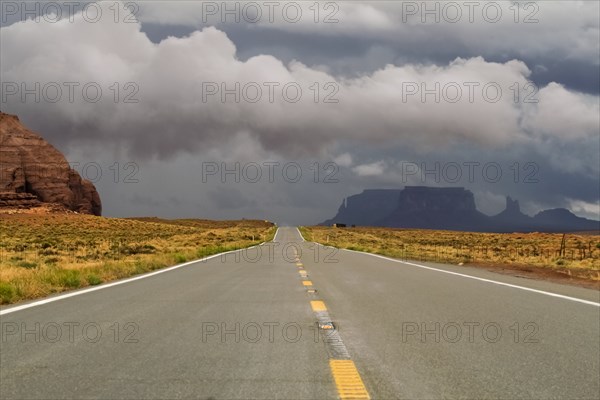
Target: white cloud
<point>172,116</point>
<point>489,203</point>
<point>591,210</point>
<point>563,113</point>
<point>371,117</point>
<point>372,169</point>
<point>343,160</point>
<point>566,29</point>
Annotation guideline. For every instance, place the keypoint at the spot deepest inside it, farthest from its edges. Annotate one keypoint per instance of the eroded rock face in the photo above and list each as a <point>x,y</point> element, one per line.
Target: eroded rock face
<point>29,164</point>
<point>367,207</point>
<point>434,199</point>
<point>436,208</point>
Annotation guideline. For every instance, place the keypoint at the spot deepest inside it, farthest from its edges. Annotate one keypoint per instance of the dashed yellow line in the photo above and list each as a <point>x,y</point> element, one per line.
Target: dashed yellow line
<point>299,264</point>
<point>347,380</point>
<point>318,305</point>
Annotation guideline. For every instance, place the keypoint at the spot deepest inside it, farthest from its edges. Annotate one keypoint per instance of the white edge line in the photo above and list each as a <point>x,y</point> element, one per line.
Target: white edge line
<point>560,296</point>
<point>300,233</point>
<point>275,236</point>
<point>116,283</point>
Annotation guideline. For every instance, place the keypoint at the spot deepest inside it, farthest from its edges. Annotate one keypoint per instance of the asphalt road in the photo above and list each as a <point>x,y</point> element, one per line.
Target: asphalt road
<point>244,326</point>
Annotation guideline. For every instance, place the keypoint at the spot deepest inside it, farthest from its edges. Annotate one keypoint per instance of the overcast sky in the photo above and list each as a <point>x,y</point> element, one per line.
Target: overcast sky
<point>278,110</point>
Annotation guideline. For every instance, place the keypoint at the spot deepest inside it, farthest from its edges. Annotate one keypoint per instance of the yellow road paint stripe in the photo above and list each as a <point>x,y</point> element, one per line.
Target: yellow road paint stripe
<point>318,305</point>
<point>347,380</point>
<point>307,283</point>
<point>299,264</point>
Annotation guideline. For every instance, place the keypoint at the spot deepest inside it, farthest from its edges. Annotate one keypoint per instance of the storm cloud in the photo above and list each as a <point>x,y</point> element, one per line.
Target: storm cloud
<point>405,92</point>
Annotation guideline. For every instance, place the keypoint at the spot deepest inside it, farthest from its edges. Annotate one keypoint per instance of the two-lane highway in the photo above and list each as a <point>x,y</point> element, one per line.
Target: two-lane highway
<point>421,330</point>
<point>254,324</point>
<point>234,327</point>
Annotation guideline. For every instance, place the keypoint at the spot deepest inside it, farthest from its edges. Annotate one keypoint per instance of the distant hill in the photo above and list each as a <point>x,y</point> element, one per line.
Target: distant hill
<point>449,208</point>
<point>556,219</point>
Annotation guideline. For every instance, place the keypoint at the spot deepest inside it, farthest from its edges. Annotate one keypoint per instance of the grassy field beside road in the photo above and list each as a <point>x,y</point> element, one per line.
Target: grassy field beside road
<point>578,256</point>
<point>45,254</point>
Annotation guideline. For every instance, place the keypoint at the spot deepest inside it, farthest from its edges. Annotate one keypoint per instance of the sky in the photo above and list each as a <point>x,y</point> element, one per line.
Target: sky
<point>279,110</point>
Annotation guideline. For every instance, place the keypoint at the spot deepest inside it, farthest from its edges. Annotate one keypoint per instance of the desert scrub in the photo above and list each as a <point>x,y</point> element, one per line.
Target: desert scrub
<point>306,233</point>
<point>7,292</point>
<point>27,264</point>
<point>180,258</point>
<point>580,257</point>
<point>93,279</point>
<point>44,254</point>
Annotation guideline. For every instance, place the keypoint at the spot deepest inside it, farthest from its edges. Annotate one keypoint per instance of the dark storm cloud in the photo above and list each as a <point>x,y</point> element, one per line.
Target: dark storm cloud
<point>230,198</point>
<point>173,113</point>
<point>559,40</point>
<point>355,56</point>
<point>170,130</point>
<point>526,173</point>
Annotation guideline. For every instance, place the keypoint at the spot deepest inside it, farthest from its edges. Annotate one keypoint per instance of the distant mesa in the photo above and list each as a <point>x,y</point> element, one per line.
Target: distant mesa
<point>366,208</point>
<point>448,209</point>
<point>33,173</point>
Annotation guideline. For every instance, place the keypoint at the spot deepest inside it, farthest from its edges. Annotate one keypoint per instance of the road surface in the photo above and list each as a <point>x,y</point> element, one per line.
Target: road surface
<point>292,319</point>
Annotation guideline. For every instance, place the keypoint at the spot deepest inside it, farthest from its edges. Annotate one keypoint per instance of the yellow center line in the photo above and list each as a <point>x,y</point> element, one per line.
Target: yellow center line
<point>307,283</point>
<point>299,264</point>
<point>318,305</point>
<point>347,380</point>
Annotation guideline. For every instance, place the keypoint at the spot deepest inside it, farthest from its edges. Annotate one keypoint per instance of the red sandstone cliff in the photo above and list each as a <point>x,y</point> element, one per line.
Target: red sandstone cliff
<point>30,166</point>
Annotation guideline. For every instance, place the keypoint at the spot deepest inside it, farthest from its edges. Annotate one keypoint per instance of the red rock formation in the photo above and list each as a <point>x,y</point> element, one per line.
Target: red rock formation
<point>29,164</point>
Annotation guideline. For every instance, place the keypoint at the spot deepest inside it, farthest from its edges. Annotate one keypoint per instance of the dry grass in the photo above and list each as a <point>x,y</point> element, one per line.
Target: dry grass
<point>44,254</point>
<point>580,258</point>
